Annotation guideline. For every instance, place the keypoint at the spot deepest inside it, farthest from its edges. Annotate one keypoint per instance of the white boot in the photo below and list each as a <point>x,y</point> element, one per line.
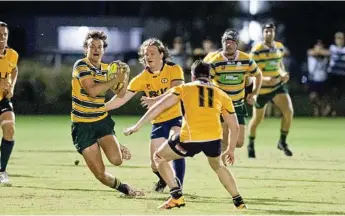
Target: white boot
<point>4,179</point>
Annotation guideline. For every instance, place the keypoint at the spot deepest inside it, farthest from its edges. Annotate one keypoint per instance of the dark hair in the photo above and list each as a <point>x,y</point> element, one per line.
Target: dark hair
<point>153,42</point>
<point>96,35</point>
<point>200,69</point>
<point>3,24</point>
<point>231,34</point>
<point>269,25</point>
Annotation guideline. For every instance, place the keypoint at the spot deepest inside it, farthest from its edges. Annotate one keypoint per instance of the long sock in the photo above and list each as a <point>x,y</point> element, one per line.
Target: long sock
<point>237,200</point>
<point>176,192</point>
<point>120,187</point>
<point>159,176</point>
<point>251,141</point>
<point>180,168</point>
<point>6,150</point>
<point>283,135</point>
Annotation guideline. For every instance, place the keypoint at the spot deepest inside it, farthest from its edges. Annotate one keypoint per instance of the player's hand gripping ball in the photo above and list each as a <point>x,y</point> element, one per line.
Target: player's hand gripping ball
<point>118,70</point>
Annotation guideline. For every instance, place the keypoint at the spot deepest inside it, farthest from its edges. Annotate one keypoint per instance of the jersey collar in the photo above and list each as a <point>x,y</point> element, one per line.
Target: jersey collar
<point>151,72</point>
<point>236,56</point>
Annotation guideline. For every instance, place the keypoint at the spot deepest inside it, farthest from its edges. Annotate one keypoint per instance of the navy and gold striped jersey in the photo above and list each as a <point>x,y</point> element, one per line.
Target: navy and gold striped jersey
<point>229,75</point>
<point>84,107</point>
<point>203,103</point>
<point>268,60</point>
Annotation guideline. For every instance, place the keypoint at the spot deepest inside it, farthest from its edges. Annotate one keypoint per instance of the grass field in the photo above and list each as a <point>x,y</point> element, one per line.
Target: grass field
<point>46,181</point>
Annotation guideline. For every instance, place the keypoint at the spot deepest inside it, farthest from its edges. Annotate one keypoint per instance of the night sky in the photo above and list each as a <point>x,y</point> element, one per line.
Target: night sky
<point>305,21</point>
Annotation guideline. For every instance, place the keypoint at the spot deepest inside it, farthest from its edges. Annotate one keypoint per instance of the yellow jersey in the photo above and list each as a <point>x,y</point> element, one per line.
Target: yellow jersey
<point>210,55</point>
<point>203,103</point>
<point>8,62</point>
<point>84,107</point>
<point>155,84</point>
<point>229,75</point>
<point>268,60</point>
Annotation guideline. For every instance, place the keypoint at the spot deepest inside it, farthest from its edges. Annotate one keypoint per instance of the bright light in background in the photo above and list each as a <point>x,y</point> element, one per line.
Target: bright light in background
<point>135,37</point>
<point>244,33</point>
<point>253,7</point>
<point>83,30</point>
<point>71,38</point>
<point>254,30</point>
<point>250,31</point>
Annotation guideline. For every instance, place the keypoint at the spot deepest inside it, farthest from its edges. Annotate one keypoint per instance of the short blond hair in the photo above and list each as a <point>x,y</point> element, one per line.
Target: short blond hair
<point>153,42</point>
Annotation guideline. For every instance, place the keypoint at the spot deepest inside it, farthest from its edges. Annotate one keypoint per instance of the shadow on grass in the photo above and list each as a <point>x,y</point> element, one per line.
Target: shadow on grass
<point>65,189</point>
<point>292,212</point>
<point>292,180</point>
<point>47,151</point>
<point>276,200</point>
<point>289,168</point>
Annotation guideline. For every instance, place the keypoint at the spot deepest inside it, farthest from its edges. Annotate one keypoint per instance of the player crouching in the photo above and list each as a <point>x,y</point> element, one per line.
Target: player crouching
<point>201,131</point>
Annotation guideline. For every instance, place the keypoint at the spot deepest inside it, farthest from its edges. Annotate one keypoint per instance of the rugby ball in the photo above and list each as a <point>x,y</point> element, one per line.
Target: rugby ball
<point>113,69</point>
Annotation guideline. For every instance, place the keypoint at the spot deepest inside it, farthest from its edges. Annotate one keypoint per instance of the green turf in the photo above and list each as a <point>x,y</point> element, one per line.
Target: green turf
<point>46,181</point>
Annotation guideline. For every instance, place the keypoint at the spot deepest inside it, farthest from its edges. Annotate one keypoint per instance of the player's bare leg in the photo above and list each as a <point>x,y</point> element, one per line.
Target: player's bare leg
<point>258,116</point>
<point>93,158</point>
<point>179,164</point>
<point>162,157</point>
<point>241,135</point>
<point>154,145</point>
<point>7,120</point>
<point>227,179</point>
<point>284,103</point>
<point>111,148</point>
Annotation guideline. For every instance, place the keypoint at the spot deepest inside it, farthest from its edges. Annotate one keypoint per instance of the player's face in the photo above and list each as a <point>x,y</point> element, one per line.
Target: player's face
<point>153,57</point>
<point>94,50</point>
<point>269,35</point>
<point>3,37</point>
<point>229,46</point>
<point>339,39</point>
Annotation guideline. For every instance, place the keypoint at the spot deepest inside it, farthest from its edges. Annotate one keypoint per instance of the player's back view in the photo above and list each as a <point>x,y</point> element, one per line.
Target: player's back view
<point>201,131</point>
<point>202,104</point>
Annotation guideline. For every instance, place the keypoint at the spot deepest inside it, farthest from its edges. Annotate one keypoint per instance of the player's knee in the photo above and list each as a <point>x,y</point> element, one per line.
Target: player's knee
<point>154,166</point>
<point>239,143</point>
<point>8,131</point>
<point>158,159</point>
<point>117,161</point>
<point>100,175</point>
<point>215,166</point>
<point>288,112</point>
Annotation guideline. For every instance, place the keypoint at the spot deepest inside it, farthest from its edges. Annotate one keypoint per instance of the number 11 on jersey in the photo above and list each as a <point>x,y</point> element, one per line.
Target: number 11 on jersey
<point>202,97</point>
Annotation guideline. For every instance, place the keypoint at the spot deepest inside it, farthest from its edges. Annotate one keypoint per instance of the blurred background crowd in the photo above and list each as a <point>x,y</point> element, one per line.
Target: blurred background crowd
<point>48,37</point>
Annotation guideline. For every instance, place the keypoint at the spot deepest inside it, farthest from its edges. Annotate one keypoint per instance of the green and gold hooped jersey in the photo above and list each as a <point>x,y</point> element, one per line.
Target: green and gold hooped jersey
<point>84,107</point>
<point>229,75</point>
<point>268,60</point>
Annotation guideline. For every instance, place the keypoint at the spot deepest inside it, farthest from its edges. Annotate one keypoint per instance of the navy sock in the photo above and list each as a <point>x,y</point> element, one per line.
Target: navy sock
<point>180,168</point>
<point>123,188</point>
<point>159,176</point>
<point>283,135</point>
<point>6,150</point>
<point>251,141</point>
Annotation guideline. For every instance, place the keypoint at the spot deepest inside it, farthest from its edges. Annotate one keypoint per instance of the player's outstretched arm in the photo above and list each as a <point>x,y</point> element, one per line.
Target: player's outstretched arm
<point>149,102</point>
<point>116,101</point>
<point>166,102</point>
